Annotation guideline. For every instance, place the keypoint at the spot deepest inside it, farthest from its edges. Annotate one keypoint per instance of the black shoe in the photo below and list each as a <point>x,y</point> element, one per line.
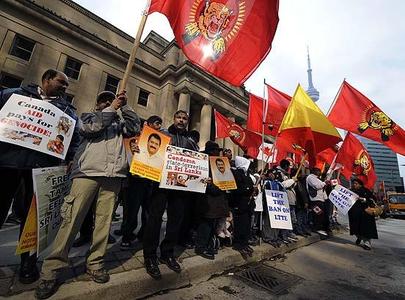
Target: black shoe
<point>152,268</point>
<point>82,240</point>
<point>205,253</point>
<point>99,276</point>
<point>358,241</point>
<point>111,239</point>
<point>46,288</point>
<point>172,263</point>
<point>28,274</point>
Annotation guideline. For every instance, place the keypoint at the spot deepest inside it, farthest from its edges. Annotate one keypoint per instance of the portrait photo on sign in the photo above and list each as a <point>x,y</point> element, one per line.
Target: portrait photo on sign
<point>221,173</point>
<point>148,161</point>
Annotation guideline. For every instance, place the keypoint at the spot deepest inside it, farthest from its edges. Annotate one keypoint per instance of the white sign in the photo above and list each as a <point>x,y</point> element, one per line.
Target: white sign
<point>37,125</point>
<point>51,185</point>
<point>343,198</point>
<point>279,209</point>
<point>259,202</point>
<point>184,170</point>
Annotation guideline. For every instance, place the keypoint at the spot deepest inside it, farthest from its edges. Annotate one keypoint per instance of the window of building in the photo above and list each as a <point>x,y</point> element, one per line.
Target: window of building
<point>69,98</point>
<point>143,98</point>
<point>22,47</point>
<point>9,81</point>
<point>111,84</point>
<point>72,68</point>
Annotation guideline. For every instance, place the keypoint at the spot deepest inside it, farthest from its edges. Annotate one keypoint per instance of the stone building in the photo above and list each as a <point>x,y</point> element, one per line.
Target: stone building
<point>41,34</point>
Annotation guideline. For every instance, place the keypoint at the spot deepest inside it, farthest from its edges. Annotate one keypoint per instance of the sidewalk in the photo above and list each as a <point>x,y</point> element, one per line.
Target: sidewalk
<point>128,277</point>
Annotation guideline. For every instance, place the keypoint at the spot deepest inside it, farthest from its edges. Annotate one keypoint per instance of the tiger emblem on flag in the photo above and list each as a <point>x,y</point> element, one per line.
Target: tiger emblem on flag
<point>362,164</point>
<point>378,120</point>
<point>217,22</point>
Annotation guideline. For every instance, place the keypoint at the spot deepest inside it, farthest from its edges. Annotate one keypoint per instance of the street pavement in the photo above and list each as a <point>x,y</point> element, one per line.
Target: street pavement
<point>331,269</point>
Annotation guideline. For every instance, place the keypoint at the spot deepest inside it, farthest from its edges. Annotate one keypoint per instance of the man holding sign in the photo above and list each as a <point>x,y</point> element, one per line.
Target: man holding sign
<point>17,162</point>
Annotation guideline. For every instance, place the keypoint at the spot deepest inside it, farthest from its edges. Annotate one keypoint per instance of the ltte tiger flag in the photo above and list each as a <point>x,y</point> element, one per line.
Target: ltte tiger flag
<point>366,119</point>
<point>227,38</point>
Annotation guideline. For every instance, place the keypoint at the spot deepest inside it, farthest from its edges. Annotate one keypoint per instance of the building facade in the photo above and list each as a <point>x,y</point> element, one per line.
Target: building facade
<point>386,164</point>
<point>60,34</point>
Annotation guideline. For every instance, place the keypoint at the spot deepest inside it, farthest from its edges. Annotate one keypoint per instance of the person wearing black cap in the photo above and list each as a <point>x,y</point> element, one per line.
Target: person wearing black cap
<point>136,196</point>
<point>171,200</point>
<point>212,206</point>
<point>361,215</point>
<point>99,167</point>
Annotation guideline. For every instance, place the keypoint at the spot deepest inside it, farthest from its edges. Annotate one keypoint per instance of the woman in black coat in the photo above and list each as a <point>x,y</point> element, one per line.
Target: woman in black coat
<point>361,215</point>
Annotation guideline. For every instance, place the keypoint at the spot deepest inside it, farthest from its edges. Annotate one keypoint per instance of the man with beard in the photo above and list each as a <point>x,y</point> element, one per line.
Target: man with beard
<point>171,200</point>
<point>16,163</point>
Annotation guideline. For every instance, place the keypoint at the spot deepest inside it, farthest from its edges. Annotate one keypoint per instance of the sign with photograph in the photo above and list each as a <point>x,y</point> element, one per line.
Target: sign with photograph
<point>185,170</point>
<point>148,163</point>
<point>279,209</point>
<point>37,125</point>
<point>222,176</point>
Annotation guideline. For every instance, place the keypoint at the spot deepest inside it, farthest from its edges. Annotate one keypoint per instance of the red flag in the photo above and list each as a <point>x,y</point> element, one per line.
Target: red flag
<point>325,157</point>
<point>274,108</point>
<point>277,105</point>
<point>246,139</point>
<point>366,119</point>
<point>356,160</point>
<point>227,38</point>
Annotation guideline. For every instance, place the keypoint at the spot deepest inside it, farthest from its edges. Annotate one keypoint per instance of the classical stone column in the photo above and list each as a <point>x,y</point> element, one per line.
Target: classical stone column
<point>184,101</point>
<point>205,124</point>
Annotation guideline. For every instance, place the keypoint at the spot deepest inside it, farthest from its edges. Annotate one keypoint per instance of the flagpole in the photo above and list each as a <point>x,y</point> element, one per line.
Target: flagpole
<point>334,100</point>
<point>263,119</point>
<point>137,42</point>
<point>300,166</point>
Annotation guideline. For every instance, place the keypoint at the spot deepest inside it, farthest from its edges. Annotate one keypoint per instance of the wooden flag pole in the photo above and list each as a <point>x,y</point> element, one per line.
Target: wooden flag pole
<point>137,42</point>
<point>300,166</point>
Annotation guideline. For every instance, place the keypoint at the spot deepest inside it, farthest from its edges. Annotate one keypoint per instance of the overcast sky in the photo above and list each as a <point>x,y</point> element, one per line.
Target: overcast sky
<point>362,41</point>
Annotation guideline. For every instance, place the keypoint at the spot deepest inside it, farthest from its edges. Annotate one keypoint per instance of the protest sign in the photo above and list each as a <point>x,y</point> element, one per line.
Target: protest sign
<point>51,185</point>
<point>28,239</point>
<point>279,209</point>
<point>221,173</point>
<point>131,146</point>
<point>343,198</point>
<point>37,125</point>
<point>184,170</point>
<point>148,163</point>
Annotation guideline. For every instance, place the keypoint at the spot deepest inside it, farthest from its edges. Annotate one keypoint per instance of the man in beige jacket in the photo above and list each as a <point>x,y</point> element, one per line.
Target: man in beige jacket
<point>99,166</point>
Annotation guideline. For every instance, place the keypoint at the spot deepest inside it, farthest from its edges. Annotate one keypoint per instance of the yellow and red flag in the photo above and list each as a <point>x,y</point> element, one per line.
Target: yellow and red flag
<point>366,119</point>
<point>227,38</point>
<point>305,125</point>
<point>356,161</point>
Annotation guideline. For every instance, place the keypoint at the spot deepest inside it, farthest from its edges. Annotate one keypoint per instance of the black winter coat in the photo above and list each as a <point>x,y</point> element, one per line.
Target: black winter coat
<point>241,199</point>
<point>181,139</point>
<point>361,223</point>
<point>16,157</point>
<point>213,204</point>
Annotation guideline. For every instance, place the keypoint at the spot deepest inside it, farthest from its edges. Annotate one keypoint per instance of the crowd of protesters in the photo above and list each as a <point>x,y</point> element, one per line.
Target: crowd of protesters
<point>206,222</point>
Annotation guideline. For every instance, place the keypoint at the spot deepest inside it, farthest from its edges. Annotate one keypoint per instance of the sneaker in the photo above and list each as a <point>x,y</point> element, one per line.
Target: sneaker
<point>172,263</point>
<point>99,276</point>
<point>367,245</point>
<point>46,288</point>
<point>205,254</point>
<point>152,268</point>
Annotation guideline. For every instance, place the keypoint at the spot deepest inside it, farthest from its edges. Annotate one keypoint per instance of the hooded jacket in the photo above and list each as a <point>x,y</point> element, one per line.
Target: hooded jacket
<point>180,138</point>
<point>17,157</point>
<point>101,151</point>
<point>240,199</point>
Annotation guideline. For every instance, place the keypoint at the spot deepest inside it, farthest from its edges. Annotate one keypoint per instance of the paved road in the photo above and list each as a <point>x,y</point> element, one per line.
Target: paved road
<point>330,269</point>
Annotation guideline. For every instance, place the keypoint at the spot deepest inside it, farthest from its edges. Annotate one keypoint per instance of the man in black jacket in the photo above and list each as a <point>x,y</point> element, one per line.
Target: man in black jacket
<point>174,202</point>
<point>17,162</point>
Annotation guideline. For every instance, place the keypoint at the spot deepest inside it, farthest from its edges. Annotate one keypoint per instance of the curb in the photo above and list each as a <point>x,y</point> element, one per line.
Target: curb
<point>137,284</point>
